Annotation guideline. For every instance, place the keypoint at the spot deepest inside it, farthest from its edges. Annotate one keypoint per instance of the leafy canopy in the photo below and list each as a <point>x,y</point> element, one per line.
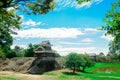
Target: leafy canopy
<point>112,27</point>
<point>75,61</point>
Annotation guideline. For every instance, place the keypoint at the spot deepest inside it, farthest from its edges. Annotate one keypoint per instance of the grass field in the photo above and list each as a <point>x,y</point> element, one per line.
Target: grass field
<point>101,71</point>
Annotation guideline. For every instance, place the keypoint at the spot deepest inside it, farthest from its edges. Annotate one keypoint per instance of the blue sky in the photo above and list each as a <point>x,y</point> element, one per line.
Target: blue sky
<point>69,27</point>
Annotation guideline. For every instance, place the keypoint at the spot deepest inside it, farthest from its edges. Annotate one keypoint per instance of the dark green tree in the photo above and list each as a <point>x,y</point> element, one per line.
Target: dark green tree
<point>8,22</point>
<point>20,52</point>
<point>78,62</point>
<point>30,50</point>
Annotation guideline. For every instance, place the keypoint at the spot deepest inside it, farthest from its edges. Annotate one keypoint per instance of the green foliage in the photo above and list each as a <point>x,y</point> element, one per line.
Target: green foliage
<point>87,62</point>
<point>30,50</point>
<point>19,51</point>
<point>112,20</point>
<point>29,6</point>
<point>10,54</point>
<point>40,6</point>
<point>9,21</point>
<point>75,61</point>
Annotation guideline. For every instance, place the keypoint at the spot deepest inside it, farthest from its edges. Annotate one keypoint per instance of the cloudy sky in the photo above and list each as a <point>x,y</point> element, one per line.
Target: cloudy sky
<point>69,27</point>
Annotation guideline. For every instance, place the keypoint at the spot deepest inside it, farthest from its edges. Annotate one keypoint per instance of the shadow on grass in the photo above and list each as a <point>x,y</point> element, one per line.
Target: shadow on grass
<point>77,73</point>
<point>87,72</point>
<point>70,73</point>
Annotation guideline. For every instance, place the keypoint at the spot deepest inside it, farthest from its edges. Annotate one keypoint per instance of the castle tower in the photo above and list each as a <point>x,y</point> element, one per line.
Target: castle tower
<point>45,59</point>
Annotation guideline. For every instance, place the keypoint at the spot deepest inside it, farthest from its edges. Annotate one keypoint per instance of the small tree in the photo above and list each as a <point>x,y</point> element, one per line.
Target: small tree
<point>73,60</point>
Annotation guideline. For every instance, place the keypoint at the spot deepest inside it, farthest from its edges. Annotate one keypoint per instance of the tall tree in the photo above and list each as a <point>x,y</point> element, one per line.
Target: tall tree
<point>112,20</point>
<point>8,22</point>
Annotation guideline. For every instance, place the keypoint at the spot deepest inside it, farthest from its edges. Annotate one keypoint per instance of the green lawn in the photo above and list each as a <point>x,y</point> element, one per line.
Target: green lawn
<point>98,72</point>
<point>66,75</point>
<point>103,67</point>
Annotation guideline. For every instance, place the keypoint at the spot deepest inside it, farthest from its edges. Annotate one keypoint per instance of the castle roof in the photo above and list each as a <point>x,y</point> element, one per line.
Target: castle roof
<point>44,47</point>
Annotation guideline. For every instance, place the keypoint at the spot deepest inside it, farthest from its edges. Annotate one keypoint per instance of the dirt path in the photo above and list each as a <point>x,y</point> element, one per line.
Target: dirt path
<point>26,76</point>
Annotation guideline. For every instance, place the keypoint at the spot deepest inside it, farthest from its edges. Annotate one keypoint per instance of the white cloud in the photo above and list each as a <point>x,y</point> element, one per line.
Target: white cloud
<point>87,40</point>
<point>69,43</point>
<point>65,51</point>
<point>73,3</point>
<point>49,33</point>
<point>30,22</point>
<point>107,37</point>
<point>98,1</point>
<point>92,29</point>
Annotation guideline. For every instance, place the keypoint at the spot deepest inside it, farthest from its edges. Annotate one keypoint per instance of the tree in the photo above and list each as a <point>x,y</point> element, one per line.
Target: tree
<point>8,22</point>
<point>30,50</point>
<point>78,61</point>
<point>112,20</point>
<point>20,52</point>
<point>73,60</point>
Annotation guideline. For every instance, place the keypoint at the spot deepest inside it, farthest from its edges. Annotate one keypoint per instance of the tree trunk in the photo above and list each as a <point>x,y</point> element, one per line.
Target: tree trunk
<point>74,69</point>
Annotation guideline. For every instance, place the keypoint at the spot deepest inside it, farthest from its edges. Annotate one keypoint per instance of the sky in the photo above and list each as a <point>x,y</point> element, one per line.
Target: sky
<point>70,27</point>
